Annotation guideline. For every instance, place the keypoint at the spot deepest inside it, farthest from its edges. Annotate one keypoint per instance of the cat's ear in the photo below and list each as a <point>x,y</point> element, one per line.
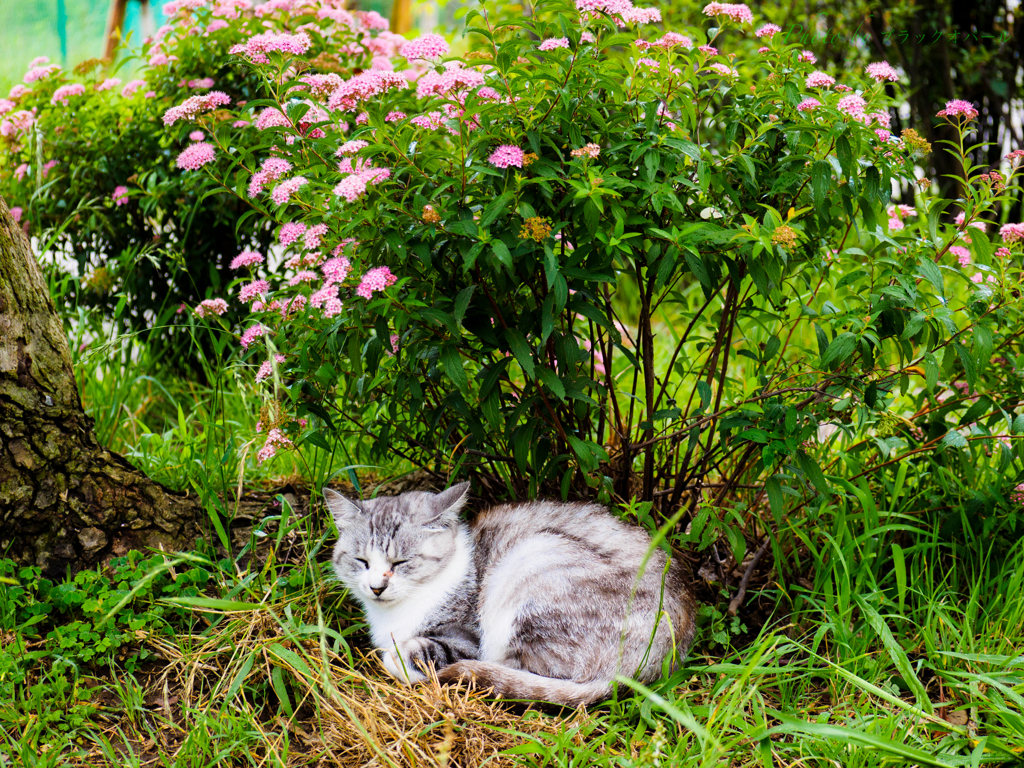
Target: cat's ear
<point>447,505</point>
<point>342,508</point>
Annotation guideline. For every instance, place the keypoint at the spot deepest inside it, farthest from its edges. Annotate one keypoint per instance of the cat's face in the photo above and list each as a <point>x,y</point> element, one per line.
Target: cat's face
<point>390,548</point>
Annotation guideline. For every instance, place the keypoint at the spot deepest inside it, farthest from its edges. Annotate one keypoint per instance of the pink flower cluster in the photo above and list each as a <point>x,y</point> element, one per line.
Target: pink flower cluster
<point>819,80</point>
<point>768,30</point>
<point>881,70</point>
<point>364,86</point>
<point>267,368</point>
<point>283,192</point>
<point>425,47</point>
<point>131,87</point>
<point>211,307</point>
<point>963,256</point>
<point>455,79</point>
<point>195,105</point>
<point>275,439</point>
<point>258,46</point>
<point>738,12</point>
<point>254,290</point>
<point>250,335</point>
<point>246,259</point>
<point>506,155</point>
<point>959,107</point>
<point>376,279</point>
<point>808,104</point>
<point>108,84</point>
<point>1012,233</point>
<point>667,42</point>
<point>272,169</point>
<point>63,94</point>
<point>196,156</point>
<point>120,196</point>
<point>40,73</point>
<point>553,43</point>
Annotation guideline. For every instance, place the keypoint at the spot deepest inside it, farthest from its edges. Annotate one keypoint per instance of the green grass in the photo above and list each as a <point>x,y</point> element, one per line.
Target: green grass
<point>876,633</point>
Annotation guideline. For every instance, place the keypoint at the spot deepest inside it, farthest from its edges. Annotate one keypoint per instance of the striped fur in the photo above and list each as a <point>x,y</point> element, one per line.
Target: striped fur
<point>552,602</point>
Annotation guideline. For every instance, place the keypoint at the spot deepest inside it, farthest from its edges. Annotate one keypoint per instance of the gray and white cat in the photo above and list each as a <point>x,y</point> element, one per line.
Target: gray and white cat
<point>538,600</point>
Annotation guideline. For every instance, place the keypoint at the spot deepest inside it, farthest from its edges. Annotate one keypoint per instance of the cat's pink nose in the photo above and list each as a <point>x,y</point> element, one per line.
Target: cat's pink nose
<point>388,574</point>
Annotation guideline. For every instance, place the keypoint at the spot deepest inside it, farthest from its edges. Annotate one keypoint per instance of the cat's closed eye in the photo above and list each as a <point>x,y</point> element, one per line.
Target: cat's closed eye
<point>398,563</point>
<point>362,562</point>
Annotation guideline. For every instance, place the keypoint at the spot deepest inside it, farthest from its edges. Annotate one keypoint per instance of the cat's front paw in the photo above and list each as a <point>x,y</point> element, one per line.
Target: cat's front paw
<point>406,660</point>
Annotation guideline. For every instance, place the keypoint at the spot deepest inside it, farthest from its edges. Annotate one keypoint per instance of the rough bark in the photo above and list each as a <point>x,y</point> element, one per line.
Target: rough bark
<point>65,501</point>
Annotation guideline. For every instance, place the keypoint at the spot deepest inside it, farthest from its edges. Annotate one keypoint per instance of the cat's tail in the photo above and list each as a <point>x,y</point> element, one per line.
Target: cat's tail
<point>509,683</point>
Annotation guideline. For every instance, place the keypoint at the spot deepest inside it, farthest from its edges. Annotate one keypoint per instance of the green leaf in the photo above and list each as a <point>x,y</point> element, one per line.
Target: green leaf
<point>213,604</point>
<point>931,371</point>
<point>462,302</point>
<point>813,472</point>
<point>552,382</point>
<point>775,498</point>
<point>821,182</point>
<point>696,266</point>
<point>451,361</point>
<point>521,350</point>
<point>495,209</point>
<point>896,653</point>
<point>954,439</point>
<point>501,251</point>
<point>930,271</point>
<point>839,349</point>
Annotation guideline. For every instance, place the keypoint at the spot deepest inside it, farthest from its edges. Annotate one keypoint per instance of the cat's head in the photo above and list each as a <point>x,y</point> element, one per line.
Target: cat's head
<point>390,548</point>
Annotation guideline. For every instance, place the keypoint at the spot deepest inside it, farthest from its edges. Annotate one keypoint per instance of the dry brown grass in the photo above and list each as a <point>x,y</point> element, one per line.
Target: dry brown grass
<point>345,714</point>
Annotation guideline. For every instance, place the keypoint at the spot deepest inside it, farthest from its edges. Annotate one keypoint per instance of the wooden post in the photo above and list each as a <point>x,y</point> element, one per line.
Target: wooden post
<point>401,16</point>
<point>115,22</point>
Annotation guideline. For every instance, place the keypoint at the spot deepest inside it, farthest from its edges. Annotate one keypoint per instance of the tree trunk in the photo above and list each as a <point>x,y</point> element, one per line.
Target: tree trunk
<point>64,500</point>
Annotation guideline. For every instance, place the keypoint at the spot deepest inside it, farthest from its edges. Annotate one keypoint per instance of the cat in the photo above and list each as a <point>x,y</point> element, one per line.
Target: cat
<point>538,600</point>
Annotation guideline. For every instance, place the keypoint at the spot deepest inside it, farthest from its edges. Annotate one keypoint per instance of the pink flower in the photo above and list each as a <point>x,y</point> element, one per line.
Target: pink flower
<point>267,368</point>
<point>332,307</point>
<point>335,270</point>
<point>710,50</point>
<point>649,63</point>
<point>1012,233</point>
<point>131,87</point>
<point>723,70</point>
<point>432,120</point>
<point>977,278</point>
<point>640,15</point>
<point>158,60</point>
<point>205,82</point>
<point>425,47</point>
<point>843,88</point>
<point>39,60</point>
<point>351,187</point>
<point>254,290</point>
<point>313,235</point>
<point>881,70</point>
<point>768,30</point>
<point>1015,155</point>
<point>40,73</point>
<point>506,155</point>
<point>351,147</point>
<point>211,307</point>
<point>959,107</point>
<point>1003,252</point>
<point>736,11</point>
<point>275,439</point>
<point>257,46</point>
<point>290,232</point>
<point>196,136</point>
<point>193,106</point>
<point>320,85</point>
<point>319,298</point>
<point>6,105</point>
<point>48,166</point>
<point>282,192</point>
<point>455,78</point>
<point>305,276</point>
<point>120,196</point>
<point>668,41</point>
<point>394,117</point>
<point>272,117</point>
<point>250,335</point>
<point>17,91</point>
<point>65,92</point>
<point>196,156</point>
<point>895,225</point>
<point>808,57</point>
<point>552,43</point>
<point>853,105</point>
<point>21,171</point>
<point>16,213</point>
<point>246,259</point>
<point>819,80</point>
<point>110,82</point>
<point>377,279</point>
<point>808,104</point>
<point>963,256</point>
<point>363,86</point>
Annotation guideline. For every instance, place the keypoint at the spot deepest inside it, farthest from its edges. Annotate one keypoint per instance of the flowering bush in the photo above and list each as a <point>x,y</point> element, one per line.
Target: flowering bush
<point>531,259</point>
